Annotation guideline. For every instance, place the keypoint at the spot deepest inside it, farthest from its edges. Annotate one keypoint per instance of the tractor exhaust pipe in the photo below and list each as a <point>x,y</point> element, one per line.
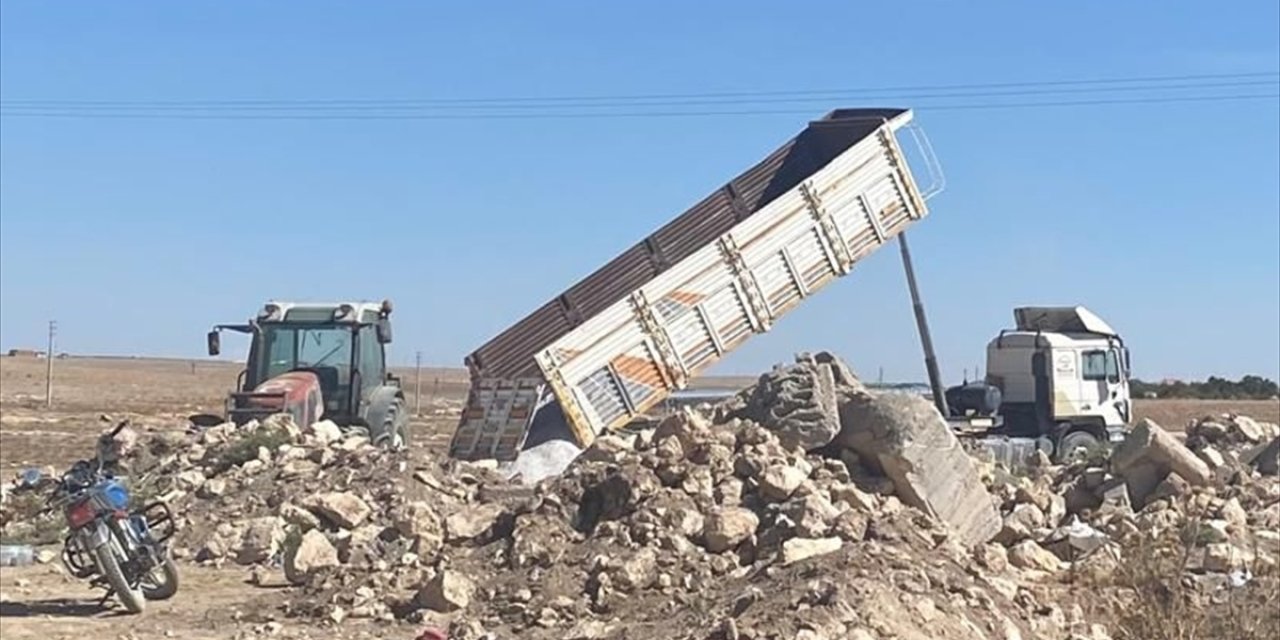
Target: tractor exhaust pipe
<point>930,359</point>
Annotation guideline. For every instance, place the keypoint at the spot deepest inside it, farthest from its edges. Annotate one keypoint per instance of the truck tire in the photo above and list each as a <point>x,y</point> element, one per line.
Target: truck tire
<point>130,596</point>
<point>1075,442</point>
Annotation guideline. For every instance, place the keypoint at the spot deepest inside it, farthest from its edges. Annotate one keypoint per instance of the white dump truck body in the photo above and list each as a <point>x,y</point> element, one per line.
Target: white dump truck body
<point>622,340</point>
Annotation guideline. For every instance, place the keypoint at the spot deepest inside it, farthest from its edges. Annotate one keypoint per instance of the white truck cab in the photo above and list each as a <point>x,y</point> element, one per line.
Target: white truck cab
<point>1061,373</point>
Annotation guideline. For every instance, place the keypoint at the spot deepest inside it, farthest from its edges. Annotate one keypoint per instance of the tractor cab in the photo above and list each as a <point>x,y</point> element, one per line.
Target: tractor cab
<point>317,361</point>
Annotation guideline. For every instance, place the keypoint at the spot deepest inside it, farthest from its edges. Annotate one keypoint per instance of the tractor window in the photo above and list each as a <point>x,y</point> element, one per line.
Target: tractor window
<point>372,368</point>
<point>1113,367</point>
<point>1094,365</point>
<point>308,347</point>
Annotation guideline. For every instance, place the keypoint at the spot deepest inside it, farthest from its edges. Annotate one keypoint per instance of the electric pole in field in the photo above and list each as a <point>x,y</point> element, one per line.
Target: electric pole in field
<point>48,366</point>
<point>417,384</point>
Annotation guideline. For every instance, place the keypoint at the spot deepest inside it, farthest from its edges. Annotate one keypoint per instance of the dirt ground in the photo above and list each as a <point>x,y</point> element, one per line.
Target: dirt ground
<point>41,602</point>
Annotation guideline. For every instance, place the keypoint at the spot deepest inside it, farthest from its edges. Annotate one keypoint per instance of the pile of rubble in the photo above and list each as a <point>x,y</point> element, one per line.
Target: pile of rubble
<point>805,507</point>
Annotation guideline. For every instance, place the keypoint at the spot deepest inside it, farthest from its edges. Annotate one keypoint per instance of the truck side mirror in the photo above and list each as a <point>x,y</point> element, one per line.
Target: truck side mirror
<point>214,343</point>
<point>384,330</point>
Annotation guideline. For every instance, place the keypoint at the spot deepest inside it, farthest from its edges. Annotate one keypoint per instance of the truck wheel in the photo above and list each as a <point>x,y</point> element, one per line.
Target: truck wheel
<point>1076,443</point>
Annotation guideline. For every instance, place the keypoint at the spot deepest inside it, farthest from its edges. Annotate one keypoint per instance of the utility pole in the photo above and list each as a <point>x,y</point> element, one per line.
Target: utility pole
<point>417,384</point>
<point>48,366</point>
<point>930,360</point>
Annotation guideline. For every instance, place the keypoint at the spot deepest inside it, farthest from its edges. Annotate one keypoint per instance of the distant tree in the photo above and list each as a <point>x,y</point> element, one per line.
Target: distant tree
<point>1249,387</point>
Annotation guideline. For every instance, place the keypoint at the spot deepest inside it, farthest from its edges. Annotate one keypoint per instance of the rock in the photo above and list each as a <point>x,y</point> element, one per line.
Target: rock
<point>607,448</point>
<point>1234,514</point>
<point>728,527</point>
<point>812,515</point>
<point>299,517</point>
<point>252,467</point>
<point>1247,428</point>
<point>637,572</point>
<point>687,426</point>
<point>343,509</point>
<point>472,522</point>
<point>45,556</point>
<point>994,557</point>
<point>298,469</point>
<point>687,522</point>
<point>797,549</point>
<point>728,492</point>
<point>448,591</point>
<point>419,522</point>
<point>1172,486</point>
<point>1212,457</point>
<point>1148,454</point>
<point>778,482</point>
<point>906,437</point>
<point>354,443</point>
<point>212,488</point>
<point>324,432</point>
<point>1208,430</point>
<point>798,403</point>
<point>1011,533</point>
<point>856,498</point>
<point>1265,458</point>
<point>1220,557</point>
<point>1030,555</point>
<point>1115,494</point>
<point>190,480</point>
<point>311,553</point>
<point>851,525</point>
<point>261,540</point>
<point>1075,539</point>
<point>1026,516</point>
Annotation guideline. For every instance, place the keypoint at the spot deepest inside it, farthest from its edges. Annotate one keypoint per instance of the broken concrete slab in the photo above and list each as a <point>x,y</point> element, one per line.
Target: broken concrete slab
<point>1148,454</point>
<point>1265,457</point>
<point>910,441</point>
<point>799,402</point>
<point>798,549</point>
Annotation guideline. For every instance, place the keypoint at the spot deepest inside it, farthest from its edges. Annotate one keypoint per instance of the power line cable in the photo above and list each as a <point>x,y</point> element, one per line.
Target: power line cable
<point>51,113</point>
<point>557,100</point>
<point>522,106</point>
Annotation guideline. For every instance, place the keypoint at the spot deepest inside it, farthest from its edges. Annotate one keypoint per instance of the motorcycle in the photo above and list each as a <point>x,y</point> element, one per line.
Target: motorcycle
<point>115,546</point>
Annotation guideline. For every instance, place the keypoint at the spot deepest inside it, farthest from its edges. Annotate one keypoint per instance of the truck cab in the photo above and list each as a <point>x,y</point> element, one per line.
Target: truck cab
<point>1062,373</point>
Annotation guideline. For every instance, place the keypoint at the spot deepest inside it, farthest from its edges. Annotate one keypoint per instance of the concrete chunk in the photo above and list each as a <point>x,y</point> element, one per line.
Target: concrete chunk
<point>1148,454</point>
<point>799,402</point>
<point>798,549</point>
<point>1265,458</point>
<point>911,442</point>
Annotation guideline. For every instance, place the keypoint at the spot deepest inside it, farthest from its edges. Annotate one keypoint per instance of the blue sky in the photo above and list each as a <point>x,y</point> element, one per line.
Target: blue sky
<point>137,234</point>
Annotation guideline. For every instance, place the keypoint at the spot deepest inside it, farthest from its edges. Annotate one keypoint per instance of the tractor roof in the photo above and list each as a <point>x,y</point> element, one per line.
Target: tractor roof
<point>283,311</point>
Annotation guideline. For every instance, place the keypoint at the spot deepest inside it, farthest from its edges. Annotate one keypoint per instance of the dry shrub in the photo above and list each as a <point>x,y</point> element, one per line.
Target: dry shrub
<point>1153,594</point>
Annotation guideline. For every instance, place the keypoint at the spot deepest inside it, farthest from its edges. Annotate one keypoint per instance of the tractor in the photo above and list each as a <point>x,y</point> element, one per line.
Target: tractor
<point>318,361</point>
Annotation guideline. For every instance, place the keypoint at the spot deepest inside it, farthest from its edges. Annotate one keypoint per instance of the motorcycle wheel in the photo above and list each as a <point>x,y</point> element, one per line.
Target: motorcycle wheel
<point>168,584</point>
<point>130,597</point>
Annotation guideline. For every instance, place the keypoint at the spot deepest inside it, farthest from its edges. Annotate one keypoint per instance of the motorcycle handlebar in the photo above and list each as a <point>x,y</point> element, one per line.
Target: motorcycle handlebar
<point>119,427</point>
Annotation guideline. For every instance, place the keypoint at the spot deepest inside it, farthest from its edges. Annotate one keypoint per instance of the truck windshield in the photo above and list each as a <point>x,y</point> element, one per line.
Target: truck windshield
<point>286,347</point>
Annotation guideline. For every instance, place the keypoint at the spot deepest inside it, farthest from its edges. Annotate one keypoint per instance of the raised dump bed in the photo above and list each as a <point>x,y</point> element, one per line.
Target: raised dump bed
<point>625,337</point>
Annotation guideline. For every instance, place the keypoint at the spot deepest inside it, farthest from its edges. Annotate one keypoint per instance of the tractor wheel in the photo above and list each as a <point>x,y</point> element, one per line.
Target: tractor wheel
<point>391,434</point>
